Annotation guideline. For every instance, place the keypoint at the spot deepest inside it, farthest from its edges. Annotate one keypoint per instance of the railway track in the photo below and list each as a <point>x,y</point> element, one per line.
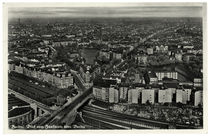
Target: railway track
<point>103,124</point>
<point>119,119</point>
<point>128,120</point>
<point>23,83</point>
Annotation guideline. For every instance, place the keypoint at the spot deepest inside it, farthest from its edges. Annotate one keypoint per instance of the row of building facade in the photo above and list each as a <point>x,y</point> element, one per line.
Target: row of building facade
<point>141,95</point>
<point>58,79</point>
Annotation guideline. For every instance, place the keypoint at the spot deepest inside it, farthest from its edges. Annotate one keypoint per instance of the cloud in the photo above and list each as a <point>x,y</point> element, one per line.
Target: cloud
<point>94,11</point>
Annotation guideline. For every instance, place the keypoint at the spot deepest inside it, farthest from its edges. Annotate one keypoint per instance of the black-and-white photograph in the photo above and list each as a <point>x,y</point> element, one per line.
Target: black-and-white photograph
<point>99,66</point>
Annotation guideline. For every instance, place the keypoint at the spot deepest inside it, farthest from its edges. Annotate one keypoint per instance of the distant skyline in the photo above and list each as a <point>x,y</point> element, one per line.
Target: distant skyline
<point>123,10</point>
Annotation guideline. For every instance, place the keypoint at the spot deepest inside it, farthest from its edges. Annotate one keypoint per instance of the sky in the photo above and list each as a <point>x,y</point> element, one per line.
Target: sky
<point>106,10</point>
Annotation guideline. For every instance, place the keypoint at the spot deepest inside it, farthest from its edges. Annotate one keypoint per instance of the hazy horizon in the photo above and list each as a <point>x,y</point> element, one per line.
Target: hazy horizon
<point>134,11</point>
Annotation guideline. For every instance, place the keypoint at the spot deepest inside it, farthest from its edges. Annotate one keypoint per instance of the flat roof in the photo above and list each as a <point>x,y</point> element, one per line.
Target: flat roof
<point>18,111</point>
<point>14,101</point>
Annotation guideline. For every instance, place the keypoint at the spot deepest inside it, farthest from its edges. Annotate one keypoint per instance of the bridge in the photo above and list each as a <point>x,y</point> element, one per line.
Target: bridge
<point>67,113</point>
<point>38,107</point>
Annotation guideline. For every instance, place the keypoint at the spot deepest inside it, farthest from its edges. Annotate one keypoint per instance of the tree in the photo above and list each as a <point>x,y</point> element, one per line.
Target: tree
<point>179,104</point>
<point>200,107</point>
<point>148,102</point>
<point>166,104</point>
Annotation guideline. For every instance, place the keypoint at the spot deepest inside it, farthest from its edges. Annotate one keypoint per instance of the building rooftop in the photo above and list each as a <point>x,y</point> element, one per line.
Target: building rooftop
<point>104,82</point>
<point>171,85</point>
<point>151,74</point>
<point>18,111</point>
<point>14,101</point>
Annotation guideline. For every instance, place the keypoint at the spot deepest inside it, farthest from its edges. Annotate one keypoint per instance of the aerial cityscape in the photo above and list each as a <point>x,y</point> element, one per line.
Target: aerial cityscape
<point>105,68</point>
